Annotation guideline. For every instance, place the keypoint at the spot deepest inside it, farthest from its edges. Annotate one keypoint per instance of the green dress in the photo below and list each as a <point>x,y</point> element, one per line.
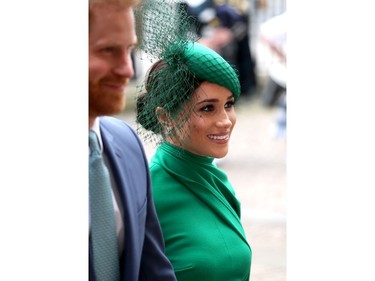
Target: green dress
<point>200,217</point>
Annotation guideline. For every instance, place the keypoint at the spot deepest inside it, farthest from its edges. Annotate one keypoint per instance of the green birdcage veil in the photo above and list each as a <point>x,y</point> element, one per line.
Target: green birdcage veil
<point>180,65</point>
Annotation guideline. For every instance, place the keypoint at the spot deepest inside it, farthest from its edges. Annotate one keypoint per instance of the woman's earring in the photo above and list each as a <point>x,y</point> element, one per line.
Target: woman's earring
<point>168,130</point>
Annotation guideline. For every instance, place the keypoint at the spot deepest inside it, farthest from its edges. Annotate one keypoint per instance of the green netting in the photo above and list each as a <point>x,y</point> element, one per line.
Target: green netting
<point>180,66</point>
<point>162,24</point>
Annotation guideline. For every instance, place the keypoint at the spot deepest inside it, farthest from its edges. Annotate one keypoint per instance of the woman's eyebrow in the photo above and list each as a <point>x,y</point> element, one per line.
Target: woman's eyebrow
<point>208,100</point>
<point>214,100</point>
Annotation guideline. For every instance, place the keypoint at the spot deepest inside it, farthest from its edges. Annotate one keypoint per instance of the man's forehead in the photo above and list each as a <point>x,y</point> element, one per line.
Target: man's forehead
<point>105,15</point>
<point>119,3</point>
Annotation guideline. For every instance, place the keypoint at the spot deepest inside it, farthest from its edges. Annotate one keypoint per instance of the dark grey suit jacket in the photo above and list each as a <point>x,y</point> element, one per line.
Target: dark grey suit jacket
<point>143,257</point>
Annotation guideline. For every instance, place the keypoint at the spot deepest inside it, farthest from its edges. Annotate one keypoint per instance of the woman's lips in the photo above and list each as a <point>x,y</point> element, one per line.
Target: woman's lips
<point>222,138</point>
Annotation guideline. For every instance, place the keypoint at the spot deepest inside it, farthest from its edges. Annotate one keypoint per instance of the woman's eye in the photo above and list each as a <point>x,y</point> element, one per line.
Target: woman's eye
<point>229,104</point>
<point>207,108</point>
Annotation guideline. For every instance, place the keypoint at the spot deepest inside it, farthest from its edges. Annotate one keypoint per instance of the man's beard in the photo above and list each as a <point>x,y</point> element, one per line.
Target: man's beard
<point>102,102</point>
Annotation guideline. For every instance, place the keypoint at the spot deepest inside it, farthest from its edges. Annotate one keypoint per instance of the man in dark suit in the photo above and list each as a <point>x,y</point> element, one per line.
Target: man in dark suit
<point>139,251</point>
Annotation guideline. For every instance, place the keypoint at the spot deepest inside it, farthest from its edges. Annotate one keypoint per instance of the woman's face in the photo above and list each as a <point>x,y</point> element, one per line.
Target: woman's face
<point>211,119</point>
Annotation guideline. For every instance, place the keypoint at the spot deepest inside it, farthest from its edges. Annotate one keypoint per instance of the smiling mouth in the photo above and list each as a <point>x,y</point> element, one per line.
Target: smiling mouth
<point>224,137</point>
<point>116,86</point>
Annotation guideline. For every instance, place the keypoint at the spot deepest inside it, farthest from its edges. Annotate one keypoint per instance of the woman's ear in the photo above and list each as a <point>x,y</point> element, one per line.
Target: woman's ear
<point>161,115</point>
<point>163,118</point>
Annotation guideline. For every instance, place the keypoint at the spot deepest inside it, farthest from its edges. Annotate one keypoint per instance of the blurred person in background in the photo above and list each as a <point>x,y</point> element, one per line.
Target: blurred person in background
<point>125,238</point>
<point>223,26</point>
<point>273,34</point>
<point>188,104</point>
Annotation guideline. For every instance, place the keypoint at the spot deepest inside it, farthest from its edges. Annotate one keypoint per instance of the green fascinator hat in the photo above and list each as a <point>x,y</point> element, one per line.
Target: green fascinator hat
<point>209,66</point>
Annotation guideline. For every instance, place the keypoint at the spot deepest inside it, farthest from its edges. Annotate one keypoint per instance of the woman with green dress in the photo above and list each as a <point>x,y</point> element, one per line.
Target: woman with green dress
<point>188,101</point>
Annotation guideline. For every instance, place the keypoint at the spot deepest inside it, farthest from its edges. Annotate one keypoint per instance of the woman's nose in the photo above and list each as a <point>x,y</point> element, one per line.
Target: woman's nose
<point>224,121</point>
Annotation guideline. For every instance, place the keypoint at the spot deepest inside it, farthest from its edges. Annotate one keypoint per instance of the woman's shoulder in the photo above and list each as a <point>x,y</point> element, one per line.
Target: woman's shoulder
<point>160,177</point>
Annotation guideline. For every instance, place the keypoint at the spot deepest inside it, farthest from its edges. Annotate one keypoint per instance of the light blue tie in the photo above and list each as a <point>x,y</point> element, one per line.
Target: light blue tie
<point>102,218</point>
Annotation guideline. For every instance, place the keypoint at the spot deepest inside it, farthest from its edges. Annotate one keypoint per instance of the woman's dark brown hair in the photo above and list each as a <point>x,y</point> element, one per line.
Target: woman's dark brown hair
<point>159,82</point>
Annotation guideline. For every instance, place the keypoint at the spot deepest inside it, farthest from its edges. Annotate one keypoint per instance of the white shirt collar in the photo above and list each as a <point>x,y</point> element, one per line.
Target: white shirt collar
<point>96,128</point>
